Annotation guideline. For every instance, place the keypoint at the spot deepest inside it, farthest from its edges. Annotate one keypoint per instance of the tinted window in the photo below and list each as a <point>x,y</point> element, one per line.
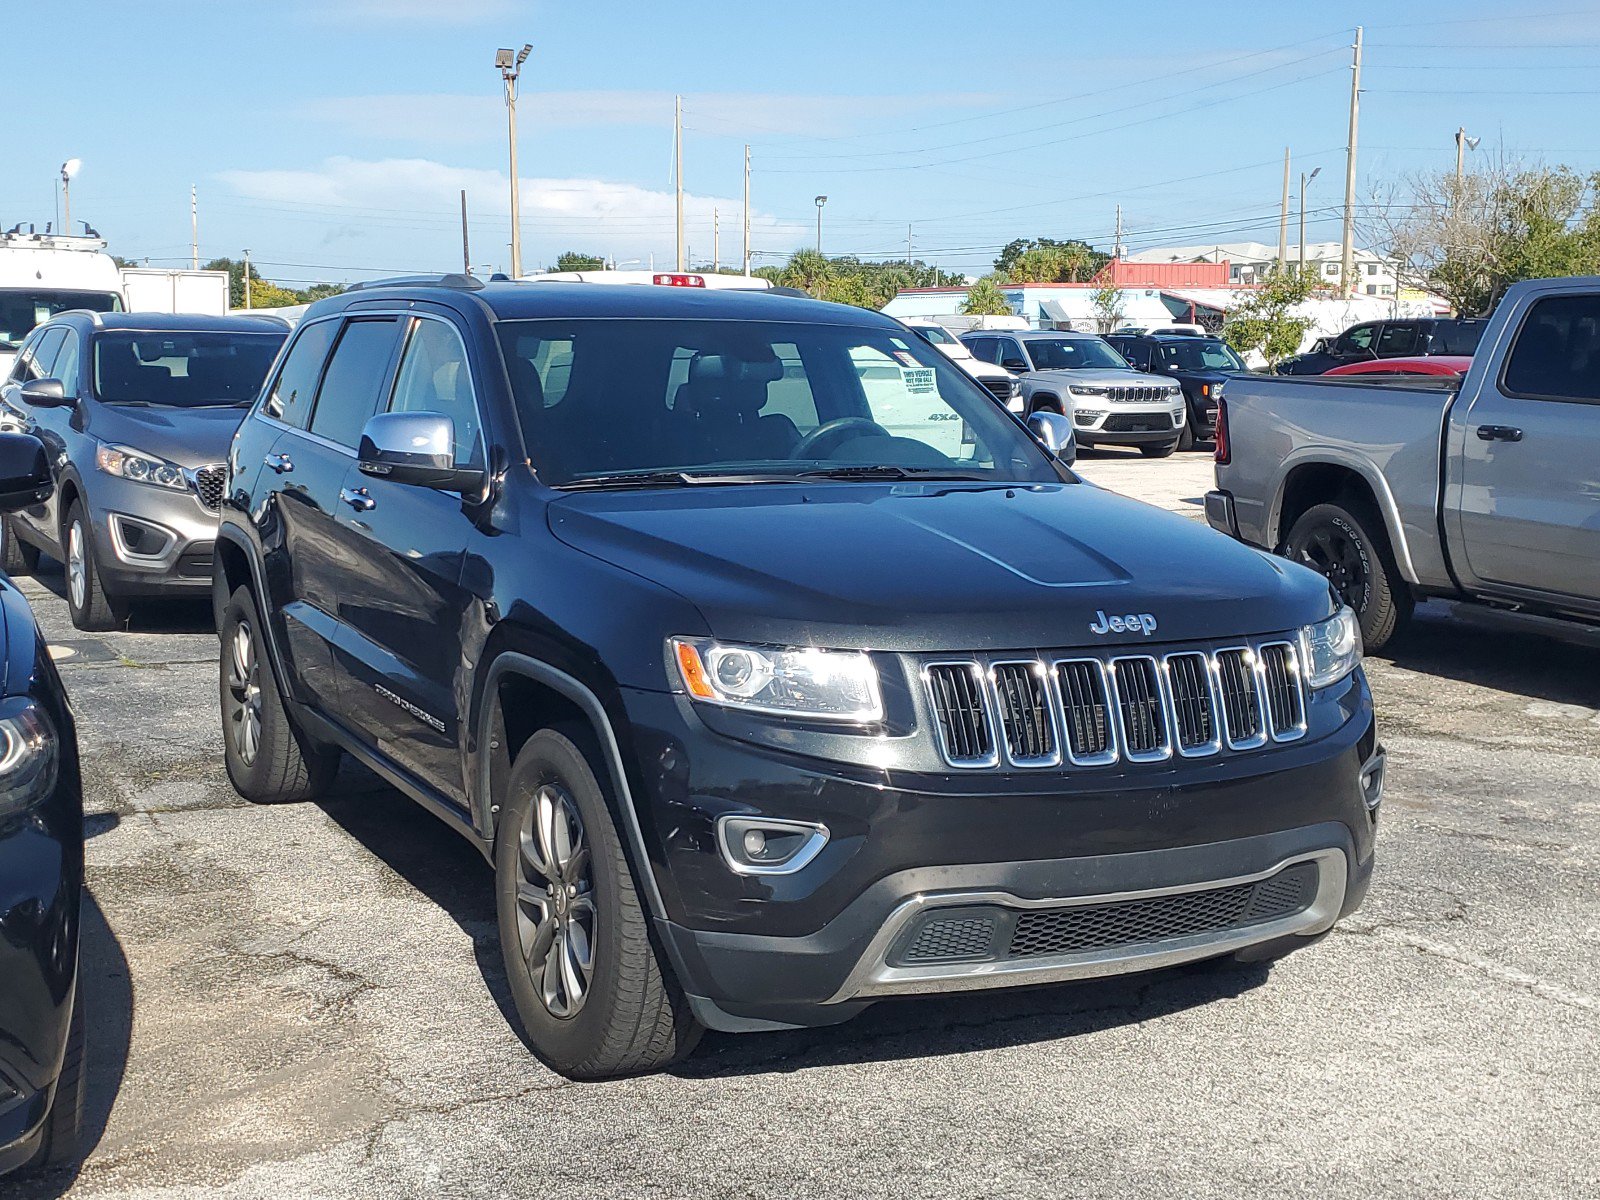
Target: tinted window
<point>1070,354</point>
<point>181,368</point>
<point>21,311</point>
<point>354,380</point>
<point>1200,354</point>
<point>1557,352</point>
<point>743,397</point>
<point>935,334</point>
<point>290,398</point>
<point>65,367</point>
<point>44,354</point>
<point>1356,340</point>
<point>433,377</point>
<point>1457,337</point>
<point>985,349</point>
<point>1010,352</point>
<point>1397,339</point>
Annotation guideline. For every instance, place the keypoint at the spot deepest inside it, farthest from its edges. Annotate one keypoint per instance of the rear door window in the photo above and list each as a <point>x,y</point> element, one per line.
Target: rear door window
<point>289,400</point>
<point>1397,338</point>
<point>1557,352</point>
<point>354,379</point>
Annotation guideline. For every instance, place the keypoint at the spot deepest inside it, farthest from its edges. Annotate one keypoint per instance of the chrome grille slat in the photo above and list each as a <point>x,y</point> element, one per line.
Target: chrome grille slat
<point>1135,708</point>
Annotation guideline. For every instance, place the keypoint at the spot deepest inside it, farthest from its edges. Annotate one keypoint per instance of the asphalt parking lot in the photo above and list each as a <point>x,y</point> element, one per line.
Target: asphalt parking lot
<point>307,1001</point>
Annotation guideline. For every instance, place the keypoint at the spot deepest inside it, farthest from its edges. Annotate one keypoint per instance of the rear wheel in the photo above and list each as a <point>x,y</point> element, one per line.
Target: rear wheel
<point>1348,548</point>
<point>92,607</point>
<point>1159,450</point>
<point>268,762</point>
<point>594,994</point>
<point>17,557</point>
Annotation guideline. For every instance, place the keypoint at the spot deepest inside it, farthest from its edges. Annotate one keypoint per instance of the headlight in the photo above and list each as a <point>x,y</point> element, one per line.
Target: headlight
<point>140,467</point>
<point>1331,649</point>
<point>28,756</point>
<point>827,685</point>
<point>1085,389</point>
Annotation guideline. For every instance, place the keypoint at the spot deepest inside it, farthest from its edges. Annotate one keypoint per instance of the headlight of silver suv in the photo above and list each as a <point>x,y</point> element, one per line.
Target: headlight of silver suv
<point>1331,649</point>
<point>139,467</point>
<point>1086,389</point>
<point>29,753</point>
<point>826,685</point>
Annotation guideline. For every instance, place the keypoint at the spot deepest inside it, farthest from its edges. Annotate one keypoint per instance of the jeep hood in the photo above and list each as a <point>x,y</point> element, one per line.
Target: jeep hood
<point>937,567</point>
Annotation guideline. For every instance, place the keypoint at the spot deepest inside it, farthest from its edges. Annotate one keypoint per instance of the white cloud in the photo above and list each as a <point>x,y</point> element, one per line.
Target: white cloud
<point>357,198</point>
<point>457,118</point>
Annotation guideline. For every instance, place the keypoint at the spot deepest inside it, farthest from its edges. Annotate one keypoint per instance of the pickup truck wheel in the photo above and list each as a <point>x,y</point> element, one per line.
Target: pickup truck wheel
<point>595,996</point>
<point>1338,544</point>
<point>1158,450</point>
<point>91,607</point>
<point>266,759</point>
<point>16,556</point>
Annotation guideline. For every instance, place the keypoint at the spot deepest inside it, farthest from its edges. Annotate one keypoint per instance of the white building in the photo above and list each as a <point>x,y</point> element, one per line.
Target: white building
<point>1249,262</point>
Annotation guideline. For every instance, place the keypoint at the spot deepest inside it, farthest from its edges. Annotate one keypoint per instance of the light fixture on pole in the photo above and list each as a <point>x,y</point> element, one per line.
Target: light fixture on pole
<point>821,200</point>
<point>509,65</point>
<point>1463,144</point>
<point>69,169</point>
<point>1304,179</point>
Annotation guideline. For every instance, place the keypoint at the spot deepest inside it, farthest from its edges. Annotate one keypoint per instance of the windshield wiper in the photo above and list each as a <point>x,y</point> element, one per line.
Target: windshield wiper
<point>889,471</point>
<point>628,479</point>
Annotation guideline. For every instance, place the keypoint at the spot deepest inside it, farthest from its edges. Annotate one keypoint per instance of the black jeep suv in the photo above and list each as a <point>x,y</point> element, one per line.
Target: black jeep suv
<point>774,667</point>
<point>1201,365</point>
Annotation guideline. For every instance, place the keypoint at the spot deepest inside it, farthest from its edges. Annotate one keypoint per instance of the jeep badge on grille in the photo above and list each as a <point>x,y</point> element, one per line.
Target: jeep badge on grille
<point>1132,623</point>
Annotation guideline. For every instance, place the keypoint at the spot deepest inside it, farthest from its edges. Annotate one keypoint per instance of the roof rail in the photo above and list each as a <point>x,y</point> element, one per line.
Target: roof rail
<point>470,283</point>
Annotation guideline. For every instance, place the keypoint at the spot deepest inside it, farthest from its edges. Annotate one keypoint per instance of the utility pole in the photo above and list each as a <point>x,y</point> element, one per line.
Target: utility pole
<point>716,241</point>
<point>194,229</point>
<point>1347,255</point>
<point>1116,242</point>
<point>1283,216</point>
<point>747,208</point>
<point>908,241</point>
<point>677,170</point>
<point>247,278</point>
<point>510,70</point>
<point>1304,179</point>
<point>466,250</point>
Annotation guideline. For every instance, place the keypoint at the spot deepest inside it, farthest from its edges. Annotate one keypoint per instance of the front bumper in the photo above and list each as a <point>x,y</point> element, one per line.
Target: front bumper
<point>817,946</point>
<point>149,540</point>
<point>1122,425</point>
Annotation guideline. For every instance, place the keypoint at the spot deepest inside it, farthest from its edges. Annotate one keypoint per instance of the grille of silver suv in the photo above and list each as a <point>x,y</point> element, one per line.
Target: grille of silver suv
<point>1135,708</point>
<point>209,484</point>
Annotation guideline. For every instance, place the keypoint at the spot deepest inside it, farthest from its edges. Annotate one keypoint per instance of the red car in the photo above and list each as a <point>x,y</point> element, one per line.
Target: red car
<point>1433,364</point>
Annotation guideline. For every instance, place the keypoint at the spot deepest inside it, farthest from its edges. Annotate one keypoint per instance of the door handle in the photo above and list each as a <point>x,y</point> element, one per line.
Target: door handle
<point>358,499</point>
<point>1499,433</point>
<point>281,463</point>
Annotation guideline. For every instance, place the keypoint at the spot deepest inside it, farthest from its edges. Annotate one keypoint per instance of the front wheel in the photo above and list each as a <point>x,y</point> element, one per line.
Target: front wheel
<point>17,557</point>
<point>91,606</point>
<point>1186,438</point>
<point>594,995</point>
<point>1163,450</point>
<point>1348,549</point>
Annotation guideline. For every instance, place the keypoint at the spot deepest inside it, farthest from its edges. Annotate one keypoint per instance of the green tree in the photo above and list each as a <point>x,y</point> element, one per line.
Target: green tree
<point>849,280</point>
<point>1265,321</point>
<point>574,260</point>
<point>1045,260</point>
<point>1107,302</point>
<point>985,299</point>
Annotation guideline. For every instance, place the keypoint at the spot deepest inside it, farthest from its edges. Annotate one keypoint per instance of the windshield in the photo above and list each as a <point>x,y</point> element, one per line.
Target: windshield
<point>22,310</point>
<point>738,399</point>
<point>936,334</point>
<point>184,370</point>
<point>1200,354</point>
<point>1073,354</point>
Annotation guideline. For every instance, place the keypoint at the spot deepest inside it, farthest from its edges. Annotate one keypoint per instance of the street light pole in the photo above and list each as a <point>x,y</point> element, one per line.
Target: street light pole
<point>1463,144</point>
<point>510,67</point>
<point>1304,179</point>
<point>821,200</point>
<point>68,170</point>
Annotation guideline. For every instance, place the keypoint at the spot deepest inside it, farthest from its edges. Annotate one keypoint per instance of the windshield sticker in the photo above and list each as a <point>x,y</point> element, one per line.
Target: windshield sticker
<point>918,381</point>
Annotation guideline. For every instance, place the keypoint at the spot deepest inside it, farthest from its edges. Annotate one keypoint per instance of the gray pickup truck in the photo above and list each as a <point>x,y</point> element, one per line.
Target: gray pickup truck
<point>1485,489</point>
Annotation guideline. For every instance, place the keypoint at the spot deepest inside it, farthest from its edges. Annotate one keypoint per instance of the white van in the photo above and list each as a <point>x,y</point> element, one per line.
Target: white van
<point>45,274</point>
<point>691,279</point>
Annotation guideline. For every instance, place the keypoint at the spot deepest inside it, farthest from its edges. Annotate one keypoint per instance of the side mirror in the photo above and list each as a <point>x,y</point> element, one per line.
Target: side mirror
<point>416,448</point>
<point>24,472</point>
<point>1054,433</point>
<point>45,393</point>
<point>1014,365</point>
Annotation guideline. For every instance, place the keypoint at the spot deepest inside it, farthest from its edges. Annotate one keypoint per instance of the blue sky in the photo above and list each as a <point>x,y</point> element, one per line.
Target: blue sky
<point>332,137</point>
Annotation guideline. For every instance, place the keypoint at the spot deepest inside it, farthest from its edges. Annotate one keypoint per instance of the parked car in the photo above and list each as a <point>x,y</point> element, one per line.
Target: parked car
<point>1202,365</point>
<point>136,411</point>
<point>999,381</point>
<point>761,711</point>
<point>1402,489</point>
<point>41,871</point>
<point>1407,337</point>
<point>1079,374</point>
<point>1450,365</point>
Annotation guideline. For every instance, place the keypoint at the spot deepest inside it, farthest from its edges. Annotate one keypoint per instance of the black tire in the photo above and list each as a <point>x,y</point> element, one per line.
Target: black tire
<point>1349,547</point>
<point>268,760</point>
<point>63,1124</point>
<point>17,557</point>
<point>629,1015</point>
<point>1158,450</point>
<point>1186,438</point>
<point>92,607</point>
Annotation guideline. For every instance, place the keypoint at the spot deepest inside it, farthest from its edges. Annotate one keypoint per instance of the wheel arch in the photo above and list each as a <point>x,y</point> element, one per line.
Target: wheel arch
<point>1332,477</point>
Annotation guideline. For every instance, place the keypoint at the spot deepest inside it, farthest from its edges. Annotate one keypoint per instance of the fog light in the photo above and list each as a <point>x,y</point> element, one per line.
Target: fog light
<point>767,845</point>
<point>1372,781</point>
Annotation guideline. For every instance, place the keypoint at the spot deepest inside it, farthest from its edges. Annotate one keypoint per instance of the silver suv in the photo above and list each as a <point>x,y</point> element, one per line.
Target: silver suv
<point>1081,376</point>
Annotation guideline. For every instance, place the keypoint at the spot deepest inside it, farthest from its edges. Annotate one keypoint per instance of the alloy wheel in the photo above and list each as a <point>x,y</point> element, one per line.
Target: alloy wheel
<point>77,566</point>
<point>555,901</point>
<point>1333,554</point>
<point>244,693</point>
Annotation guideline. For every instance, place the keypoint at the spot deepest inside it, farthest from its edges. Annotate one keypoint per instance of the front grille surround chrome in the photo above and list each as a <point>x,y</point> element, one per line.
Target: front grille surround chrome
<point>1122,707</point>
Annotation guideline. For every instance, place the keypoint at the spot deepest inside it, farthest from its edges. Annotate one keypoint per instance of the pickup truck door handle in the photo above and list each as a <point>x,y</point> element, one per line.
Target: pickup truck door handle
<point>281,463</point>
<point>1499,433</point>
<point>358,499</point>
